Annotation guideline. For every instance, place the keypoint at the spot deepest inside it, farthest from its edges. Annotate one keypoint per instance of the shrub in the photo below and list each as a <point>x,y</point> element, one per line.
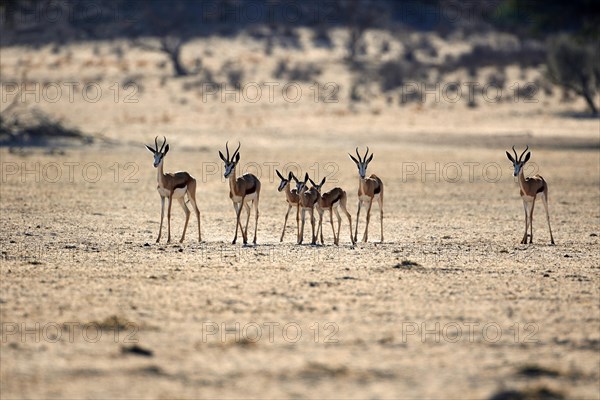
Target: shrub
<point>234,74</point>
<point>527,54</point>
<point>321,38</point>
<point>395,73</point>
<point>302,72</point>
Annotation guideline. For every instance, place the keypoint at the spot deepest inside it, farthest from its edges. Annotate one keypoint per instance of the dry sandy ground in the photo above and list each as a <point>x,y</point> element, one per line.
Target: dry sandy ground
<point>449,306</point>
<point>76,253</point>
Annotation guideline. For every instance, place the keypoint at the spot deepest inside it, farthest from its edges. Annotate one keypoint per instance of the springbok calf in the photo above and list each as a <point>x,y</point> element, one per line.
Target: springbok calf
<point>173,186</point>
<point>529,189</point>
<point>369,189</point>
<point>308,198</point>
<point>242,190</point>
<point>330,201</point>
<point>291,196</point>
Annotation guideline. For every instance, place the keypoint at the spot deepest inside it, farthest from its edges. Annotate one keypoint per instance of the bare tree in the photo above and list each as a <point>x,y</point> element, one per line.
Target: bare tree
<point>169,45</point>
<point>574,66</point>
<point>172,24</point>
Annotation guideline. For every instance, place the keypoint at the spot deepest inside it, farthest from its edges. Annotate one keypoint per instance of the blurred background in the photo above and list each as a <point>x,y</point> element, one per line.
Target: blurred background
<point>102,69</point>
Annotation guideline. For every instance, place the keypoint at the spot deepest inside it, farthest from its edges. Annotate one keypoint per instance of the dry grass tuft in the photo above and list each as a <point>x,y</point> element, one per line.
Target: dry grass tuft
<point>538,393</point>
<point>535,371</point>
<point>115,323</point>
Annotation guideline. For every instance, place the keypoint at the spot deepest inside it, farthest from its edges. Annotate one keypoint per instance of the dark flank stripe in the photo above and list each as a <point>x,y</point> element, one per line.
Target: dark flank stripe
<point>251,189</point>
<point>541,189</point>
<point>377,189</point>
<point>339,195</point>
<point>180,186</point>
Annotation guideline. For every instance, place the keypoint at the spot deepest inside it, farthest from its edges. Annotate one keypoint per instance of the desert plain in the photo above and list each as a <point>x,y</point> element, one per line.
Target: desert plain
<point>449,305</point>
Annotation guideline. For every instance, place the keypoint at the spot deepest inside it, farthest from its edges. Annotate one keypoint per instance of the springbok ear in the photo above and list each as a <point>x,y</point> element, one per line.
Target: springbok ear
<point>290,176</point>
<point>527,157</point>
<point>353,159</point>
<point>166,150</point>
<point>312,182</point>
<point>222,157</point>
<point>322,182</point>
<point>150,149</point>
<point>510,157</point>
<point>237,157</point>
<point>306,178</point>
<point>369,159</point>
<point>279,175</point>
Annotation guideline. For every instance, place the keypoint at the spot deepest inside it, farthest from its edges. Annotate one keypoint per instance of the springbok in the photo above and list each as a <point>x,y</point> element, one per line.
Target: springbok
<point>307,199</point>
<point>330,201</point>
<point>173,186</point>
<point>529,189</point>
<point>291,196</point>
<point>369,189</point>
<point>242,190</point>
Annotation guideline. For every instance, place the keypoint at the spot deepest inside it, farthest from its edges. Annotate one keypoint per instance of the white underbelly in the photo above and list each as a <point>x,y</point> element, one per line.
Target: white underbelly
<point>367,199</point>
<point>248,198</point>
<point>528,199</point>
<point>177,194</point>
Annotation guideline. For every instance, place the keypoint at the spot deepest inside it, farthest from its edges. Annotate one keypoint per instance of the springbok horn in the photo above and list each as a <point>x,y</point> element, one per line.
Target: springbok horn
<point>367,153</point>
<point>358,155</point>
<point>524,151</point>
<point>516,156</point>
<point>156,143</point>
<point>227,148</point>
<point>163,145</point>
<point>236,150</point>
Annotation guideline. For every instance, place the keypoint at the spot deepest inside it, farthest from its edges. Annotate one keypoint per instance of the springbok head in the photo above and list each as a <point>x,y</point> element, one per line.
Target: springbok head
<point>159,155</point>
<point>319,186</point>
<point>362,163</point>
<point>284,180</point>
<point>518,162</point>
<point>230,163</point>
<point>301,185</point>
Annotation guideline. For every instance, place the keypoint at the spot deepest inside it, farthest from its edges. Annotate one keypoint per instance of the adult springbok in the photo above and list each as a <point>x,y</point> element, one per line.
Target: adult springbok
<point>307,199</point>
<point>529,189</point>
<point>369,189</point>
<point>291,196</point>
<point>173,186</point>
<point>242,190</point>
<point>330,201</point>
